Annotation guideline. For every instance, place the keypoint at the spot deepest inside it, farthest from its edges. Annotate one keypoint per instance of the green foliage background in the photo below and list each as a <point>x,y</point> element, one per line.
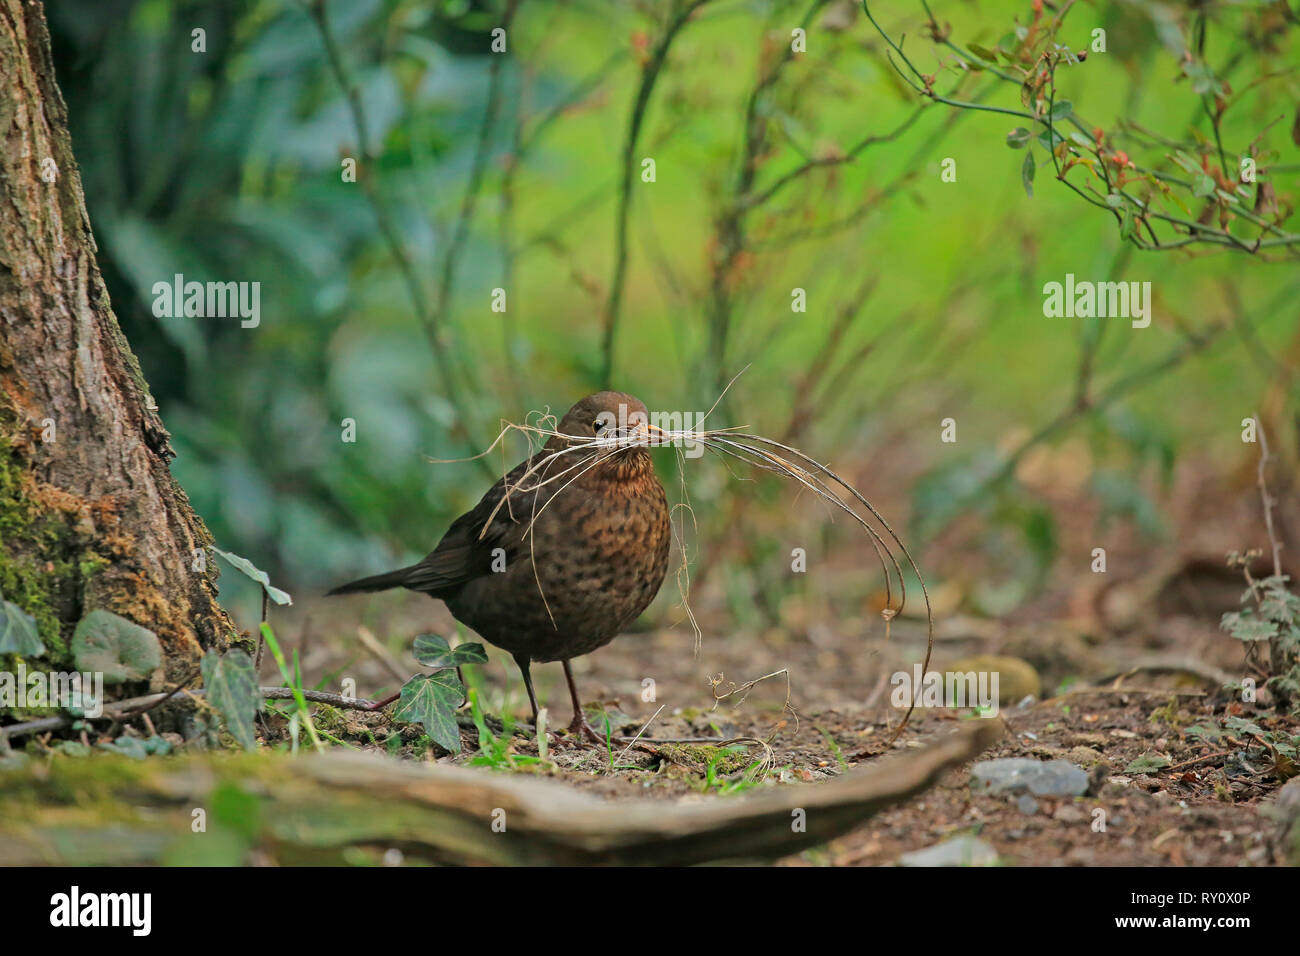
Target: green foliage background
<point>225,165</point>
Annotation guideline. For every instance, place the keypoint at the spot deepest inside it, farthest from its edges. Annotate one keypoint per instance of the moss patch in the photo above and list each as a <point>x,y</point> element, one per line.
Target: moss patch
<point>48,551</point>
<point>698,757</point>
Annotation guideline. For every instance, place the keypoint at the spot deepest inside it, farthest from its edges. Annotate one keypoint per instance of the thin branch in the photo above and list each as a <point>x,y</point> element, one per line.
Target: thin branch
<point>1195,232</point>
<point>429,321</point>
<point>1266,499</point>
<point>649,77</point>
<point>117,710</point>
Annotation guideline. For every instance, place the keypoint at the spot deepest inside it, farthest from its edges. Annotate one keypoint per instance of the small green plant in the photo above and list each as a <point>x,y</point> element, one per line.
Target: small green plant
<point>293,678</point>
<point>834,748</point>
<point>1269,616</point>
<point>1278,747</point>
<point>231,682</point>
<point>493,751</point>
<point>433,699</point>
<point>714,770</point>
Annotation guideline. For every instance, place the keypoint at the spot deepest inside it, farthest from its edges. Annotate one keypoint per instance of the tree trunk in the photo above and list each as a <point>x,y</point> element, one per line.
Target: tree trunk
<point>90,516</point>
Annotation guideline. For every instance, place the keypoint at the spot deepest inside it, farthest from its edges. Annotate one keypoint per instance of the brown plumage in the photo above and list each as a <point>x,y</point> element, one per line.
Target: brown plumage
<point>574,553</point>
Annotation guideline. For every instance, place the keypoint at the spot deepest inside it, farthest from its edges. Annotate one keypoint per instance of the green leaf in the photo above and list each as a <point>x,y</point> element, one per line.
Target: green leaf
<point>1209,731</point>
<point>1049,139</point>
<point>1240,725</point>
<point>138,748</point>
<point>231,681</point>
<point>433,651</point>
<point>1126,223</point>
<point>431,700</point>
<point>121,650</point>
<point>1203,185</point>
<point>1247,627</point>
<point>1018,137</point>
<point>1061,110</point>
<point>1147,763</point>
<point>1027,173</point>
<point>257,574</point>
<point>18,632</point>
<point>984,53</point>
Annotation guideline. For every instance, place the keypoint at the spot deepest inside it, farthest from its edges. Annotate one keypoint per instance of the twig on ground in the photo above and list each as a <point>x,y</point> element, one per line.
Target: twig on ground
<point>382,655</point>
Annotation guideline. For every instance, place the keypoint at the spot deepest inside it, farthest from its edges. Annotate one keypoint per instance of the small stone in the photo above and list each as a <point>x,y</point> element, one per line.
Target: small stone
<point>1069,813</point>
<point>964,850</point>
<point>1043,778</point>
<point>1026,804</point>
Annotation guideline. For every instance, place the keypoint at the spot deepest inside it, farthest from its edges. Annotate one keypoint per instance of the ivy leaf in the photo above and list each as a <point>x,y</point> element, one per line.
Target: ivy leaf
<point>138,748</point>
<point>433,651</point>
<point>121,650</point>
<point>231,682</point>
<point>18,632</point>
<point>1018,137</point>
<point>1027,173</point>
<point>1147,763</point>
<point>247,567</point>
<point>431,700</point>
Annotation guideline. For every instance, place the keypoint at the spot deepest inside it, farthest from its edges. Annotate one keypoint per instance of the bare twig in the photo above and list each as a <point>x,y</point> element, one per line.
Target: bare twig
<point>116,710</point>
<point>1266,499</point>
<point>429,319</point>
<point>682,13</point>
<point>382,655</point>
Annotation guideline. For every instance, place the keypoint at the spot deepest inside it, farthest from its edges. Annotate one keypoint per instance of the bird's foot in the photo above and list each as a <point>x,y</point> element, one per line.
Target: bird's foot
<point>583,734</point>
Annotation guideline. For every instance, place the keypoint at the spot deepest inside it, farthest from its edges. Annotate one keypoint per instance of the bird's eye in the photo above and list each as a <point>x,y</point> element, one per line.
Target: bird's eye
<point>597,425</point>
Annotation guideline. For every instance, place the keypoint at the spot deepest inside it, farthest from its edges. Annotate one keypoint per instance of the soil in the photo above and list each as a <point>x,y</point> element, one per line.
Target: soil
<point>1127,670</point>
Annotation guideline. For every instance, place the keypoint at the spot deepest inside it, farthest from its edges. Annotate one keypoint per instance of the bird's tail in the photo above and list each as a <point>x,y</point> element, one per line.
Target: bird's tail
<point>376,582</point>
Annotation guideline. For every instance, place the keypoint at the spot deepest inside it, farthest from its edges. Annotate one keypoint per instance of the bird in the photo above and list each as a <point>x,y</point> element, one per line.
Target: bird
<point>563,552</point>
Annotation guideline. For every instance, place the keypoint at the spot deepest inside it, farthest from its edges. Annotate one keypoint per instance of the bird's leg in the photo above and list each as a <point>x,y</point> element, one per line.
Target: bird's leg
<point>525,666</point>
<point>579,726</point>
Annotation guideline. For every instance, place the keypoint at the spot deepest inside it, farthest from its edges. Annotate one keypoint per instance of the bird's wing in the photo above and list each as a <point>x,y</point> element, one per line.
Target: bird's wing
<point>469,548</point>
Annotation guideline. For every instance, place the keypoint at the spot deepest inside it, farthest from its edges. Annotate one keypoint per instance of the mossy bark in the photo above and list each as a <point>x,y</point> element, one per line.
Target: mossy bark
<point>90,516</point>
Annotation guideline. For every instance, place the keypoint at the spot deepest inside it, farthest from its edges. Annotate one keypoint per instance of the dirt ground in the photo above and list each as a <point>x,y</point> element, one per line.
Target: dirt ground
<point>1126,676</point>
<point>1122,674</point>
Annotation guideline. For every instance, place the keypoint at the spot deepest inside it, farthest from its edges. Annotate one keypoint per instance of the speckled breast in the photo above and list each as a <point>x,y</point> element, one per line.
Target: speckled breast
<point>596,560</point>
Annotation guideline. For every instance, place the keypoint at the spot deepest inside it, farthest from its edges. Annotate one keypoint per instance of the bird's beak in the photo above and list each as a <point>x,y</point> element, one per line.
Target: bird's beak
<point>653,434</point>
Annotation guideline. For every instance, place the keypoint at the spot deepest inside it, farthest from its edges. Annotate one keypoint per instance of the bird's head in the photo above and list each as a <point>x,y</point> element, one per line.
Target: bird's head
<point>615,427</point>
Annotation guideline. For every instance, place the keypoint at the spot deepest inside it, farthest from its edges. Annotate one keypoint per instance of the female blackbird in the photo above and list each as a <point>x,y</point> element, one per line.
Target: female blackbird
<point>563,552</point>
